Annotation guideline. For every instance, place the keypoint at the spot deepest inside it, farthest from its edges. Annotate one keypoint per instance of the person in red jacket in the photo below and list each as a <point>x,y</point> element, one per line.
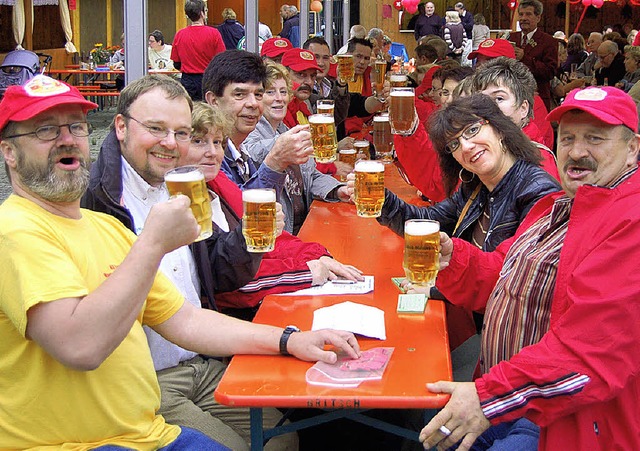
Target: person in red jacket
<point>293,264</point>
<point>561,302</point>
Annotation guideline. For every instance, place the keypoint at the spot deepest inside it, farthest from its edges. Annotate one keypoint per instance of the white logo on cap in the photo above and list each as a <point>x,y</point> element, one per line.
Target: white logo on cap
<point>306,56</point>
<point>43,86</point>
<point>591,94</point>
<point>488,43</point>
<point>280,43</point>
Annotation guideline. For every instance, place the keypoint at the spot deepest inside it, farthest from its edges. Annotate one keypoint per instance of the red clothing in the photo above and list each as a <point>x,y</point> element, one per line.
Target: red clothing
<point>282,270</point>
<point>540,119</point>
<point>194,47</point>
<point>548,162</point>
<point>581,382</point>
<point>418,157</point>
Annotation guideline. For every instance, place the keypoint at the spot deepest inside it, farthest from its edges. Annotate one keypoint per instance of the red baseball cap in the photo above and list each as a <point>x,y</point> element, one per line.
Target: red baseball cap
<point>493,48</point>
<point>299,60</point>
<point>607,103</point>
<point>274,47</point>
<point>37,95</point>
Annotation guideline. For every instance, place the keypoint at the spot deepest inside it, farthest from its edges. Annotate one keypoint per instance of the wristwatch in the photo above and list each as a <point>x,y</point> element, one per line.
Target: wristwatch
<point>286,333</point>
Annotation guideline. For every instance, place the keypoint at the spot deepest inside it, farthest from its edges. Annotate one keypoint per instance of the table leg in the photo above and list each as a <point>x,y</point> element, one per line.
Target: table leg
<point>257,432</point>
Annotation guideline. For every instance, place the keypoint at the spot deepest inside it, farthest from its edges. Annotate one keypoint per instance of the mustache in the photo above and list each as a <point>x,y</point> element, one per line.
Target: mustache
<point>304,87</point>
<point>584,163</point>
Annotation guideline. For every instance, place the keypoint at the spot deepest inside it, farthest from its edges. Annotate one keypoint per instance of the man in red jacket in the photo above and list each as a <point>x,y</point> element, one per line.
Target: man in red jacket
<point>561,312</point>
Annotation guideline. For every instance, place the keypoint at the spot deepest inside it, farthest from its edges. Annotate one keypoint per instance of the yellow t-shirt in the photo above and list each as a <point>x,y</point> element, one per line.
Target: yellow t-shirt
<point>44,404</point>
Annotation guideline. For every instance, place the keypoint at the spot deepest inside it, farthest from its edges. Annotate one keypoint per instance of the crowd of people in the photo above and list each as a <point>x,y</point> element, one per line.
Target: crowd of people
<point>115,324</point>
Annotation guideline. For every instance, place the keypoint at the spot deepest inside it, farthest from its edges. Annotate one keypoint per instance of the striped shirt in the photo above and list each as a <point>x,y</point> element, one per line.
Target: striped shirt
<point>519,308</point>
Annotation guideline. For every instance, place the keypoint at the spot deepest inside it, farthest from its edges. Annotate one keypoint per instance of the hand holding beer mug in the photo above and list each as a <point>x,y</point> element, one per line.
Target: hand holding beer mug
<point>189,180</point>
<point>421,251</point>
<point>324,138</point>
<point>259,220</point>
<point>382,138</point>
<point>362,149</point>
<point>402,107</point>
<point>346,67</point>
<point>347,156</point>
<point>369,188</point>
<point>325,106</point>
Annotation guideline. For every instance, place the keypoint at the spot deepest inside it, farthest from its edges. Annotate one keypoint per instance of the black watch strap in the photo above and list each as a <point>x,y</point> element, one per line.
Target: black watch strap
<point>284,338</point>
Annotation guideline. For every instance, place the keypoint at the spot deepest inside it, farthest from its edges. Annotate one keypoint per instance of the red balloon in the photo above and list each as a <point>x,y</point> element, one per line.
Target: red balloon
<point>316,6</point>
<point>587,2</point>
<point>411,9</point>
<point>597,3</point>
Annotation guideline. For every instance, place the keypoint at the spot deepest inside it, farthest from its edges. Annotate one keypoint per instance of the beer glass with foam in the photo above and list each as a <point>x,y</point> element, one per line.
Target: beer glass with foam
<point>421,251</point>
<point>382,138</point>
<point>347,156</point>
<point>380,72</point>
<point>259,219</point>
<point>401,110</point>
<point>346,67</point>
<point>325,106</point>
<point>362,149</point>
<point>323,137</point>
<point>189,180</point>
<point>398,80</point>
<point>369,188</point>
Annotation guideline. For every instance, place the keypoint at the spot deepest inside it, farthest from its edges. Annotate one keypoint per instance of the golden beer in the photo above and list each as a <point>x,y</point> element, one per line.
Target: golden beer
<point>325,106</point>
<point>380,72</point>
<point>421,251</point>
<point>382,138</point>
<point>348,156</point>
<point>398,80</point>
<point>323,137</point>
<point>401,110</point>
<point>362,149</point>
<point>189,180</point>
<point>346,68</point>
<point>259,219</point>
<point>369,188</point>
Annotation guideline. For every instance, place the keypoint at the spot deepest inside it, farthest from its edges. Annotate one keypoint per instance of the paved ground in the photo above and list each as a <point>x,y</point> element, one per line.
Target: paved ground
<point>100,120</point>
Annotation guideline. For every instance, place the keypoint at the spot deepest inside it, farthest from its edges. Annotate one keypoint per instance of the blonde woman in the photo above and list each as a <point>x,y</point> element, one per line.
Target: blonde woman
<point>454,34</point>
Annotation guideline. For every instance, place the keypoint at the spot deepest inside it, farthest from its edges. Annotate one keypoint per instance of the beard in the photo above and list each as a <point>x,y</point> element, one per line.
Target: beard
<point>51,184</point>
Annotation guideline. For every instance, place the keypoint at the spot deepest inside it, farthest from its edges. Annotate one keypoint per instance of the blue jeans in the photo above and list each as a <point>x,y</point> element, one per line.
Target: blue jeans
<point>520,434</point>
<point>189,440</point>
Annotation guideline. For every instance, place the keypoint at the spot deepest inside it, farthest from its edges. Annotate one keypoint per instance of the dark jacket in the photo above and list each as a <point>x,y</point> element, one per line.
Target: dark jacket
<point>467,23</point>
<point>509,203</point>
<point>427,25</point>
<point>614,73</point>
<point>222,260</point>
<point>231,32</point>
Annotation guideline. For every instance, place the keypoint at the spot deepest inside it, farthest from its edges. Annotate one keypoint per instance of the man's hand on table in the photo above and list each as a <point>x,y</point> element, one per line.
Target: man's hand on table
<point>326,268</point>
<point>309,346</point>
<point>462,416</point>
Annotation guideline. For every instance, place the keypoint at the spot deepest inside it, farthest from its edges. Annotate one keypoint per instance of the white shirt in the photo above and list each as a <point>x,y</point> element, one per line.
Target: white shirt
<point>179,265</point>
<point>161,59</point>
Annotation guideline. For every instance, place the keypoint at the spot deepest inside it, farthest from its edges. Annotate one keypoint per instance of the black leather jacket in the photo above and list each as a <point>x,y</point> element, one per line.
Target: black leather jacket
<point>222,260</point>
<point>509,203</point>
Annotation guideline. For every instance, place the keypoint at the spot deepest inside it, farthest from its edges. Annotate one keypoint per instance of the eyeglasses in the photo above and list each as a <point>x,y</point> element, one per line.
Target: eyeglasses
<point>161,132</point>
<point>468,133</point>
<point>51,132</point>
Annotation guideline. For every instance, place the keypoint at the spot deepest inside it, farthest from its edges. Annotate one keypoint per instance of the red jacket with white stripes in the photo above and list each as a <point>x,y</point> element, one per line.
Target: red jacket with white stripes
<point>281,271</point>
<point>581,382</point>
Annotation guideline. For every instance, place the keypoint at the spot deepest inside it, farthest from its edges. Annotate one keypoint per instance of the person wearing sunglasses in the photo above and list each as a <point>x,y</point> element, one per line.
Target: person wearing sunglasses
<point>491,172</point>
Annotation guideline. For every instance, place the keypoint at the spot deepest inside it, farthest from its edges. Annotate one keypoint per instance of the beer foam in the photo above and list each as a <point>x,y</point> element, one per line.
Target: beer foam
<point>191,176</point>
<point>259,196</point>
<point>321,119</point>
<point>369,166</point>
<point>397,77</point>
<point>402,93</point>
<point>384,118</point>
<point>348,151</point>
<point>419,228</point>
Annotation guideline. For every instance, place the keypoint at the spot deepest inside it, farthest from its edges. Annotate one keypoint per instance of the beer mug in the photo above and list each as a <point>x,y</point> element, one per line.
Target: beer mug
<point>421,251</point>
<point>380,73</point>
<point>398,80</point>
<point>401,110</point>
<point>382,138</point>
<point>362,149</point>
<point>369,188</point>
<point>347,156</point>
<point>259,219</point>
<point>346,67</point>
<point>189,180</point>
<point>325,106</point>
<point>323,137</point>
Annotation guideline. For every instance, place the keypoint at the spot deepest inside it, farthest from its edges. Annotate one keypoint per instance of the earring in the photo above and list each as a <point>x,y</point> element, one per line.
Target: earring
<point>473,175</point>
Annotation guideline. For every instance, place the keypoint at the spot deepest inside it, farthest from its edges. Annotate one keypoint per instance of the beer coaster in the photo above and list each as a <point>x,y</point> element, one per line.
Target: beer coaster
<point>397,281</point>
<point>412,303</point>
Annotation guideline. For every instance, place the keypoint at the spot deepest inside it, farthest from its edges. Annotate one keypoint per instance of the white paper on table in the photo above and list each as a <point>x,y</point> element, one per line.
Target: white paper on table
<point>366,286</point>
<point>352,317</point>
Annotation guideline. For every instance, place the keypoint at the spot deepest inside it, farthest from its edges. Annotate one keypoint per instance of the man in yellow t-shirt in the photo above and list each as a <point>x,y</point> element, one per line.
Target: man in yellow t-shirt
<point>76,287</point>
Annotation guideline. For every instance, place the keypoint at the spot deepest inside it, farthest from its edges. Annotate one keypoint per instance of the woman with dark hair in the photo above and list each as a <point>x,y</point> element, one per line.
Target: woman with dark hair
<point>492,174</point>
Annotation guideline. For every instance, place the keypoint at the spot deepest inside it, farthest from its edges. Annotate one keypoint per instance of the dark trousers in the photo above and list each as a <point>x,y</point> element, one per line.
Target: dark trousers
<point>193,84</point>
